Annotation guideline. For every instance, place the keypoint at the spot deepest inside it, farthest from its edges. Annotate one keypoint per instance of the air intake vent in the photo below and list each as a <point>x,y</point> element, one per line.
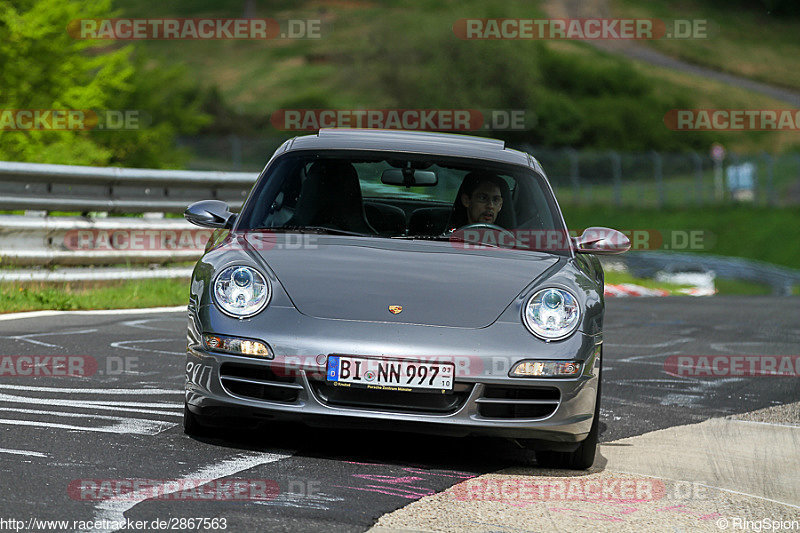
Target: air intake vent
<point>258,383</point>
<point>518,402</point>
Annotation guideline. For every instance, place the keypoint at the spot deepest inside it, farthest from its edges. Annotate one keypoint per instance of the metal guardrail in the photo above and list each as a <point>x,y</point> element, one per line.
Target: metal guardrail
<point>34,186</point>
<point>33,240</point>
<point>36,240</point>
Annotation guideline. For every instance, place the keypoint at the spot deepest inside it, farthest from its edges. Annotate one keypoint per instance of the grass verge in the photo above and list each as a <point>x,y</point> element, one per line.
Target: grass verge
<point>616,278</point>
<point>132,294</point>
<point>761,233</point>
<point>129,294</point>
<point>725,287</point>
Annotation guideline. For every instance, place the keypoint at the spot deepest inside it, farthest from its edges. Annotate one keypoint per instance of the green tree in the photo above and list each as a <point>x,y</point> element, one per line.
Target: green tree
<point>43,67</point>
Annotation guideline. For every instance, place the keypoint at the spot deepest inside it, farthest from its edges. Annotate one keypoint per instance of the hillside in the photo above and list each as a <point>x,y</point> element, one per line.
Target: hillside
<point>387,54</point>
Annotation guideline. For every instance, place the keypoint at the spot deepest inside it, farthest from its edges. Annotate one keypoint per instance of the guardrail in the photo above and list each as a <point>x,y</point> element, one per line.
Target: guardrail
<point>61,240</point>
<point>33,240</point>
<point>101,240</point>
<point>33,186</point>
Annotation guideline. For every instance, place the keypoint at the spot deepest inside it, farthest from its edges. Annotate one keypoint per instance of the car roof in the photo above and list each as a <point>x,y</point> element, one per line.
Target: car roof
<point>446,144</point>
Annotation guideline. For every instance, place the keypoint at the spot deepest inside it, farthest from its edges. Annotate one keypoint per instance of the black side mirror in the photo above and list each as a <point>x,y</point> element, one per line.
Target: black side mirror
<point>210,214</point>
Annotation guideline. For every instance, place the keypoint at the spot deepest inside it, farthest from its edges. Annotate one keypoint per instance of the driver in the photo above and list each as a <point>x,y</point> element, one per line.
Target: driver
<point>481,197</point>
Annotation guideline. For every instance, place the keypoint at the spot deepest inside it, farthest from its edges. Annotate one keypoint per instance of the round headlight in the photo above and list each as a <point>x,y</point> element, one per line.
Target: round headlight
<point>241,291</point>
<point>552,314</point>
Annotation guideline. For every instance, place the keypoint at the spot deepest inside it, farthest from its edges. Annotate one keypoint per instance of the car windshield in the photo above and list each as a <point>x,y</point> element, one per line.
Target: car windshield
<point>406,196</point>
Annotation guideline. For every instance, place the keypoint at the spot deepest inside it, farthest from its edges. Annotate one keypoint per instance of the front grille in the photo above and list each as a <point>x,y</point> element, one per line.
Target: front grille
<point>258,383</point>
<point>394,401</point>
<point>518,402</point>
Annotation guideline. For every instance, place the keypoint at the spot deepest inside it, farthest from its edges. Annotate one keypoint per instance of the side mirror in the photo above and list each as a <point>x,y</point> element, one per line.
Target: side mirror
<point>601,241</point>
<point>209,214</point>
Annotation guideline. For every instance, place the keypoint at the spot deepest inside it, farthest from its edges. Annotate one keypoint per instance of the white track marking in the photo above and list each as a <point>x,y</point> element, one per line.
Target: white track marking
<point>26,338</point>
<point>141,311</point>
<point>84,415</point>
<point>133,392</point>
<point>710,487</point>
<point>793,426</point>
<point>666,344</point>
<point>114,511</point>
<point>138,324</point>
<point>85,403</point>
<point>130,425</point>
<point>122,346</point>
<point>23,452</point>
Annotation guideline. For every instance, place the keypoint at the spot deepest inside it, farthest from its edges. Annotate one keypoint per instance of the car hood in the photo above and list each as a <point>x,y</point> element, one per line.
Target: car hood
<point>355,279</point>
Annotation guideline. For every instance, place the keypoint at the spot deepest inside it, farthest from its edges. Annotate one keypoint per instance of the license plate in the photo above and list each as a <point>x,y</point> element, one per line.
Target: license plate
<point>395,375</point>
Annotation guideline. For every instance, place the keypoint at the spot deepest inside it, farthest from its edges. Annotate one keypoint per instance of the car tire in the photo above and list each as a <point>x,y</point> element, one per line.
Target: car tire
<point>583,457</point>
<point>192,425</point>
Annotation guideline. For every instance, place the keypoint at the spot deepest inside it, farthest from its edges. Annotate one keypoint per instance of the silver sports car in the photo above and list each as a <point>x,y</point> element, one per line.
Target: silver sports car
<point>418,281</point>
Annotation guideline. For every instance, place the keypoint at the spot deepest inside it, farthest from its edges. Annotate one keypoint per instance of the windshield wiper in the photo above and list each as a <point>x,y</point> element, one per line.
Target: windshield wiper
<point>316,229</point>
<point>452,238</point>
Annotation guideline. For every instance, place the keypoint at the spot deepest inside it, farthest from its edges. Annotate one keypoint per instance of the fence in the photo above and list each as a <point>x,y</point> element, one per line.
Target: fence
<point>590,177</point>
<point>658,179</point>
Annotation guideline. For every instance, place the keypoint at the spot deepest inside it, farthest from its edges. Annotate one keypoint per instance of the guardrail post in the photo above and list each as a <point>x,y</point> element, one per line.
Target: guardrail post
<point>616,168</point>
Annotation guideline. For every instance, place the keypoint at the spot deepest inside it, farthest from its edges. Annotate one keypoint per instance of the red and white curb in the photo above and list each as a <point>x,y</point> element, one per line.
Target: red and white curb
<point>624,290</point>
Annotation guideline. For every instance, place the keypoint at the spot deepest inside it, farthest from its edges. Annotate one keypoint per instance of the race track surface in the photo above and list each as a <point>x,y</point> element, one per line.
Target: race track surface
<point>124,421</point>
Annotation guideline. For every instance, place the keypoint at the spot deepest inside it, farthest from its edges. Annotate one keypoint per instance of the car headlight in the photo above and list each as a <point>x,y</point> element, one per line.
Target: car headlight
<point>552,314</point>
<point>241,291</point>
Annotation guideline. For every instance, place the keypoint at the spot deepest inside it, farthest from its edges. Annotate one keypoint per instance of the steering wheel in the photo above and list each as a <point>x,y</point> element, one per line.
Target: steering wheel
<point>493,227</point>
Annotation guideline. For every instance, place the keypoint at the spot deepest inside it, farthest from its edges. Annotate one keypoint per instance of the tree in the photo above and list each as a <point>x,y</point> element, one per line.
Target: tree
<point>43,67</point>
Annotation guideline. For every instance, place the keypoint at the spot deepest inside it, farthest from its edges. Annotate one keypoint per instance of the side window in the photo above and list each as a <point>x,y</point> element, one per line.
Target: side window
<point>285,203</point>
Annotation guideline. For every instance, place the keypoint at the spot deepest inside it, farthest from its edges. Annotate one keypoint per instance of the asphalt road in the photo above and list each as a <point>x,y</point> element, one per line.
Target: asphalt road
<point>123,422</point>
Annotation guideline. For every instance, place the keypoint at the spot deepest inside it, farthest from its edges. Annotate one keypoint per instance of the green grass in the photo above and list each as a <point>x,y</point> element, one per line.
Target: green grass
<point>384,54</point>
<point>680,189</point>
<point>615,278</point>
<point>761,233</point>
<point>15,297</point>
<point>725,287</point>
<point>746,42</point>
<point>741,288</point>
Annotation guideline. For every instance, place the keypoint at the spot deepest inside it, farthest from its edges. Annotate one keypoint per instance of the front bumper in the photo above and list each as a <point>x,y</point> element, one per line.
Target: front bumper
<point>485,400</point>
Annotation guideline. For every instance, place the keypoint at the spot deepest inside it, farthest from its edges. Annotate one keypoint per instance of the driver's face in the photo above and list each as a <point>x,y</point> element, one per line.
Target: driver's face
<point>484,204</point>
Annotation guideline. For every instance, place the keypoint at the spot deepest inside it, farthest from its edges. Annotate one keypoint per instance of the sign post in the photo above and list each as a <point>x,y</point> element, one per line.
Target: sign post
<point>718,156</point>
